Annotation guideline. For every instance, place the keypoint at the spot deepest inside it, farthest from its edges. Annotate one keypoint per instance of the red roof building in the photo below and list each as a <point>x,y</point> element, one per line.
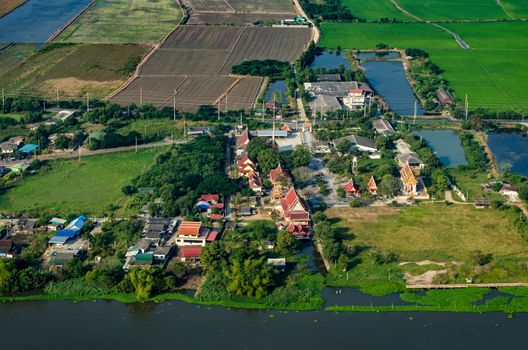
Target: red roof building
<point>211,198</point>
<point>294,209</point>
<point>216,217</point>
<point>190,254</point>
<point>243,140</point>
<point>212,236</point>
<point>189,228</point>
<point>286,128</point>
<point>351,188</point>
<point>299,231</point>
<point>372,186</point>
<point>276,173</point>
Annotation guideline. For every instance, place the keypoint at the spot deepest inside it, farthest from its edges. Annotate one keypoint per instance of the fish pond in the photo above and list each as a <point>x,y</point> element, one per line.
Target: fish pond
<point>277,88</point>
<point>37,20</point>
<point>510,149</point>
<point>446,145</point>
<point>330,60</point>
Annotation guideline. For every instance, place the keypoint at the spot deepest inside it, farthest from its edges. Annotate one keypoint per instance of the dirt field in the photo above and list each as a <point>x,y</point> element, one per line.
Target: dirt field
<point>197,60</point>
<point>263,6</point>
<point>208,5</point>
<point>231,18</point>
<point>7,6</point>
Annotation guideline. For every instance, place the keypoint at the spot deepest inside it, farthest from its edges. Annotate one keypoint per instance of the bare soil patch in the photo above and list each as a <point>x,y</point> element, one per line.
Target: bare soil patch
<point>367,214</point>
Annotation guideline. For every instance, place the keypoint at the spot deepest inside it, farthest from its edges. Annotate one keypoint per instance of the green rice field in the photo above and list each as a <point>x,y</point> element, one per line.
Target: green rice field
<point>372,11</point>
<point>440,10</point>
<point>68,186</point>
<point>493,73</point>
<point>124,21</point>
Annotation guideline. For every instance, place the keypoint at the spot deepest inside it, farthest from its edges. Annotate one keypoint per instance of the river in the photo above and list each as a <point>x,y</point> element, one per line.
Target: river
<point>175,325</point>
<point>37,20</point>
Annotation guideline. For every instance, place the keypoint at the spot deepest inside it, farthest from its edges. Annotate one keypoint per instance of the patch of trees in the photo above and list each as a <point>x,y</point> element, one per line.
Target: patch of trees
<point>261,150</point>
<point>264,68</point>
<point>414,52</point>
<point>332,247</point>
<point>186,171</point>
<point>346,74</point>
<point>475,155</point>
<point>483,113</point>
<point>328,10</point>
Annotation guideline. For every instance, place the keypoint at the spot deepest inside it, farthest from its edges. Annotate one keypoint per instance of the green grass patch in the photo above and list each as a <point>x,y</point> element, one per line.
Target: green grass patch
<point>68,186</point>
<point>372,11</point>
<point>372,279</point>
<point>517,8</point>
<point>124,21</point>
<point>440,10</point>
<point>154,127</point>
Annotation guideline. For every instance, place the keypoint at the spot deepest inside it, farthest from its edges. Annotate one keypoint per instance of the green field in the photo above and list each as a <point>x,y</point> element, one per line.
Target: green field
<point>13,54</point>
<point>372,11</point>
<point>517,8</point>
<point>454,10</point>
<point>124,21</point>
<point>74,70</point>
<point>68,186</point>
<point>439,232</point>
<point>494,73</point>
<point>153,127</point>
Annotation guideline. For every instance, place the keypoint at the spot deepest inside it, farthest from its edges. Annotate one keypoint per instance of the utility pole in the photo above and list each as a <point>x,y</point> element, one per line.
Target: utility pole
<point>44,106</point>
<point>57,90</point>
<point>226,103</point>
<point>79,152</point>
<point>184,127</point>
<point>136,146</point>
<point>141,96</point>
<point>174,106</point>
<point>241,121</point>
<point>3,99</point>
<point>467,105</point>
<point>87,102</point>
<point>263,109</point>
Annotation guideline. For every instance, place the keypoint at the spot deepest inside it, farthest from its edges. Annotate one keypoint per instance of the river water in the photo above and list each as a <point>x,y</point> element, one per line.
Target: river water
<point>37,20</point>
<point>112,325</point>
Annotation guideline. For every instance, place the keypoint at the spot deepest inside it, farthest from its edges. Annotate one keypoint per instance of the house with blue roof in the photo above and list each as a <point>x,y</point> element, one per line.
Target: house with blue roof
<point>28,148</point>
<point>71,231</point>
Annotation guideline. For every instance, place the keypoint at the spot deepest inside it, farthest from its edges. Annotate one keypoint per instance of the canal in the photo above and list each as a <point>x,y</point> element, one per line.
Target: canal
<point>112,325</point>
<point>37,20</point>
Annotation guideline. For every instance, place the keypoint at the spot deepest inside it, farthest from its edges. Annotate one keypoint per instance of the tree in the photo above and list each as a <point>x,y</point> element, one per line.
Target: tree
<point>268,159</point>
<point>344,146</point>
<point>286,243</point>
<point>213,255</point>
<point>143,281</point>
<point>179,269</point>
<point>5,277</point>
<point>389,185</point>
<point>300,157</point>
<point>523,191</point>
<point>340,192</point>
<point>249,277</point>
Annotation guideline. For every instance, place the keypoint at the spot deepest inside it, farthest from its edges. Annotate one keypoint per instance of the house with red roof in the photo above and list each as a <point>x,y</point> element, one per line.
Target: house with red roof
<point>189,254</point>
<point>211,198</point>
<point>351,188</point>
<point>191,233</point>
<point>246,167</point>
<point>255,183</point>
<point>286,127</point>
<point>294,209</point>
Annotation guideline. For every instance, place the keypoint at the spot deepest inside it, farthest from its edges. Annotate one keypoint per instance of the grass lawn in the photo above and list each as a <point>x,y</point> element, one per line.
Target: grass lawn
<point>454,10</point>
<point>469,182</point>
<point>494,73</point>
<point>69,187</point>
<point>74,69</point>
<point>16,116</point>
<point>437,232</point>
<point>124,21</point>
<point>372,11</point>
<point>150,127</point>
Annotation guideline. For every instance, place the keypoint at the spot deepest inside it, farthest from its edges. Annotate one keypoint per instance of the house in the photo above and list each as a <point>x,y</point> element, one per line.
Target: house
<point>444,97</point>
<point>307,126</point>
<point>211,198</point>
<point>383,127</point>
<point>408,180</point>
<point>242,141</point>
<point>245,210</point>
<point>25,225</point>
<point>410,158</point>
<point>199,130</point>
<point>189,254</point>
<point>28,148</point>
<point>351,188</point>
<point>142,246</point>
<point>299,231</point>
<point>69,232</point>
<point>142,260</point>
<point>322,147</point>
<point>278,263</point>
<point>191,233</point>
<point>482,203</point>
<point>364,144</point>
<point>402,147</point>
<point>270,132</point>
<point>510,192</point>
<point>372,187</point>
<point>355,99</point>
<point>246,167</point>
<point>56,224</point>
<point>8,147</point>
<point>162,253</point>
<point>273,105</point>
<point>294,209</point>
<point>59,258</point>
<point>286,127</point>
<point>17,140</point>
<point>7,249</point>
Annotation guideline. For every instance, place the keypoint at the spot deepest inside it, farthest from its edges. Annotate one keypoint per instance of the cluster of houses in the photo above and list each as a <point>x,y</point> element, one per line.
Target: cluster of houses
<point>16,145</point>
<point>66,244</point>
<point>245,166</point>
<point>412,184</point>
<point>330,96</point>
<point>363,144</point>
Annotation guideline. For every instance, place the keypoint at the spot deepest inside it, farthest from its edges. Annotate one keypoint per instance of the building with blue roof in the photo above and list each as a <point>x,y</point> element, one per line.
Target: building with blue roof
<point>29,148</point>
<point>71,231</point>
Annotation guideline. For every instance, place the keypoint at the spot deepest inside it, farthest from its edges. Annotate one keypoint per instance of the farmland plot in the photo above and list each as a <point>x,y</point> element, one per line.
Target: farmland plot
<point>263,6</point>
<point>242,95</point>
<point>185,62</point>
<point>228,18</point>
<point>203,37</point>
<point>208,5</point>
<point>149,90</point>
<point>283,44</point>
